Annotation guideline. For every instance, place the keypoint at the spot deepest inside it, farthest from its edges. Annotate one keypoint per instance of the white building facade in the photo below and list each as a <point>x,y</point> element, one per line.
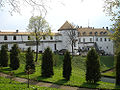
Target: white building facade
<point>83,38</point>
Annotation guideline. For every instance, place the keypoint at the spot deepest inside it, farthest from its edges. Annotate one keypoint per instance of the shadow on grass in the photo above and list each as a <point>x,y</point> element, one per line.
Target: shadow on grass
<point>59,82</point>
<point>21,73</point>
<point>89,85</point>
<point>117,87</point>
<point>5,69</point>
<point>40,78</point>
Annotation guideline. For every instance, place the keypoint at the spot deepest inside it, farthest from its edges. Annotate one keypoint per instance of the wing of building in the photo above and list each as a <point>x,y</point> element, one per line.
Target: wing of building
<point>68,37</point>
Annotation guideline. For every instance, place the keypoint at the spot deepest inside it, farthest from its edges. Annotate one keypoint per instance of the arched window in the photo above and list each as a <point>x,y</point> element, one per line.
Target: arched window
<point>5,37</point>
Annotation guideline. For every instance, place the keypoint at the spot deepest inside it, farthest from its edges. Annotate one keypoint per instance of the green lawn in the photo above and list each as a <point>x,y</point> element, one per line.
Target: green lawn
<point>6,85</point>
<point>78,72</point>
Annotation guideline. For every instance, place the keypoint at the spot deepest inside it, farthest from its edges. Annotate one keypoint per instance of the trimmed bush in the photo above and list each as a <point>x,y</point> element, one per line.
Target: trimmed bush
<point>47,63</point>
<point>29,61</point>
<point>118,69</point>
<point>67,66</point>
<point>14,57</point>
<point>92,67</point>
<point>4,56</point>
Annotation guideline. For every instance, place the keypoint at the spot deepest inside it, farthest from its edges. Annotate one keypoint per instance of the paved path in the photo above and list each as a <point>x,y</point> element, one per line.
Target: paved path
<point>107,79</point>
<point>43,84</point>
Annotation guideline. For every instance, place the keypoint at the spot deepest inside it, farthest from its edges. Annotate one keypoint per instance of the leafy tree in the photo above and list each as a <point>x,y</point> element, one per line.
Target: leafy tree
<point>118,69</point>
<point>92,67</point>
<point>67,66</point>
<point>38,27</point>
<point>14,57</point>
<point>29,61</point>
<point>47,63</point>
<point>4,56</point>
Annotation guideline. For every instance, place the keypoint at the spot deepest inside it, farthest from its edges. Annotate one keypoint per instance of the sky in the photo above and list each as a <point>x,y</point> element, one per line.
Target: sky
<point>79,12</point>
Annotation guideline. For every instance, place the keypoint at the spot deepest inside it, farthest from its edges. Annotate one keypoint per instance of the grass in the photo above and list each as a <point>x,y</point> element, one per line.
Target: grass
<point>6,85</point>
<point>78,72</point>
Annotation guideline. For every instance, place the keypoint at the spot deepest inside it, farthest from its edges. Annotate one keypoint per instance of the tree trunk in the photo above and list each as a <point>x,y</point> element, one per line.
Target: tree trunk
<point>36,51</point>
<point>72,49</point>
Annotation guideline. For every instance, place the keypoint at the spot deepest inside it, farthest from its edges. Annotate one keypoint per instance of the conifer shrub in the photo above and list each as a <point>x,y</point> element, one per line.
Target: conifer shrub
<point>4,56</point>
<point>29,61</point>
<point>47,63</point>
<point>93,74</point>
<point>118,69</point>
<point>67,66</point>
<point>14,57</point>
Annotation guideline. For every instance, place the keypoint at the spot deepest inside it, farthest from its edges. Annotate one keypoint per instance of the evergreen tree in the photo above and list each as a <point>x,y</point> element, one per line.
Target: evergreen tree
<point>67,66</point>
<point>118,69</point>
<point>14,57</point>
<point>4,56</point>
<point>92,67</point>
<point>30,61</point>
<point>47,63</point>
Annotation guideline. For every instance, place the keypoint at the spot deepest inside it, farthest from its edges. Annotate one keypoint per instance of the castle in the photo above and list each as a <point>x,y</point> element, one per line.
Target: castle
<point>76,39</point>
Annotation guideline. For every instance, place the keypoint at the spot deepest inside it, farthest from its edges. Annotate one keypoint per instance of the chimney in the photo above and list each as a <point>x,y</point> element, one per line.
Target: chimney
<point>17,31</point>
<point>103,27</point>
<point>106,28</point>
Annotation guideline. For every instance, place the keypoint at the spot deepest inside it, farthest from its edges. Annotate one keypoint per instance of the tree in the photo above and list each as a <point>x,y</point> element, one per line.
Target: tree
<point>47,63</point>
<point>118,69</point>
<point>92,67</point>
<point>39,28</point>
<point>4,56</point>
<point>29,61</point>
<point>14,57</point>
<point>72,39</point>
<point>67,66</point>
<point>17,5</point>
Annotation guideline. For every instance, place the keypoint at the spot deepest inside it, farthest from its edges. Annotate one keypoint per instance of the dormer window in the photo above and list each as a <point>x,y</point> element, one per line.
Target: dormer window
<point>5,37</point>
<point>101,33</point>
<point>96,33</point>
<point>14,37</point>
<point>90,33</point>
<point>84,33</point>
<point>105,33</point>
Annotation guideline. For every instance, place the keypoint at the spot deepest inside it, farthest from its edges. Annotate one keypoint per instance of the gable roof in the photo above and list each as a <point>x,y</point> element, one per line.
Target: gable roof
<point>93,31</point>
<point>66,26</point>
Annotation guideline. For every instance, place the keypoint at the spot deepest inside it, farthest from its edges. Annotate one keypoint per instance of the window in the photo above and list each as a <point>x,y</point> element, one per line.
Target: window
<point>84,33</point>
<point>51,38</point>
<point>29,38</point>
<point>79,40</point>
<point>14,37</point>
<point>107,47</point>
<point>90,33</point>
<point>105,33</point>
<point>96,39</point>
<point>44,38</point>
<point>101,33</point>
<point>5,37</point>
<point>55,47</point>
<point>78,34</point>
<point>96,33</point>
<point>83,39</point>
<point>90,39</point>
<point>105,39</point>
<point>100,39</point>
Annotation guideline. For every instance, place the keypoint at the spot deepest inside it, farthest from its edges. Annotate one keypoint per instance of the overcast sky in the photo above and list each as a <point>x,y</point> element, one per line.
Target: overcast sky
<point>88,12</point>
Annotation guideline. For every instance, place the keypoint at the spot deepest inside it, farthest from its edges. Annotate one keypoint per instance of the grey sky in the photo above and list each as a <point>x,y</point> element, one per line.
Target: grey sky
<point>74,11</point>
